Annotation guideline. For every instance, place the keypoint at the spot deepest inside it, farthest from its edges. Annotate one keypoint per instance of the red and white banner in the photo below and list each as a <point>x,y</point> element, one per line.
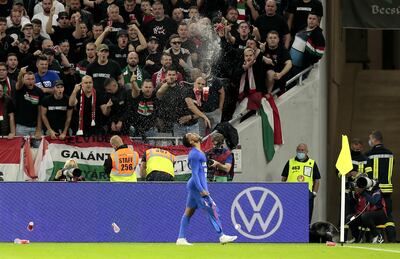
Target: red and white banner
<point>10,158</point>
<point>91,152</point>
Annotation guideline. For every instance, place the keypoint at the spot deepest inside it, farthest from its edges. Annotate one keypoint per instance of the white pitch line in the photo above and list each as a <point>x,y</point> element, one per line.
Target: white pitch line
<point>374,249</point>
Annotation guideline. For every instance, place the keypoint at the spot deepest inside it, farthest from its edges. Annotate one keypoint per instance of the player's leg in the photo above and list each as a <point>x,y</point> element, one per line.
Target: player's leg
<point>191,206</point>
<point>211,208</point>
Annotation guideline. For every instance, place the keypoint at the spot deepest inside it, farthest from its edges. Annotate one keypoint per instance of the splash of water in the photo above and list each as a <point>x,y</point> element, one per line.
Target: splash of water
<point>210,49</point>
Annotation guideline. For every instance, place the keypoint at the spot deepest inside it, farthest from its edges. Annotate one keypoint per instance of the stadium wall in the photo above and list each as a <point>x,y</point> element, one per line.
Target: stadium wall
<point>303,118</point>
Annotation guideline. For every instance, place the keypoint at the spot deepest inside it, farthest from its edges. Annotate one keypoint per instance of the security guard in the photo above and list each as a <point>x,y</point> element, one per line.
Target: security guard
<point>303,169</point>
<point>157,165</point>
<point>121,163</point>
<point>380,167</point>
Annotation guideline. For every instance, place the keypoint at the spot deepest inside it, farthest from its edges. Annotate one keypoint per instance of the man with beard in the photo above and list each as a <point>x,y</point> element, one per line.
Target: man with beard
<point>74,6</point>
<point>158,77</point>
<point>278,62</point>
<point>90,58</point>
<point>114,107</point>
<point>12,66</point>
<point>151,56</point>
<point>308,46</point>
<point>133,69</point>
<point>177,108</point>
<point>131,12</point>
<point>56,112</point>
<point>27,101</point>
<point>161,27</point>
<point>144,105</point>
<point>44,17</point>
<point>273,21</point>
<point>118,52</point>
<point>63,31</point>
<point>87,109</point>
<point>103,69</point>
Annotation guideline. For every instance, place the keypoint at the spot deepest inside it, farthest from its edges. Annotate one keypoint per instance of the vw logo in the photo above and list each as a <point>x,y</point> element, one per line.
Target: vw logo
<point>259,210</point>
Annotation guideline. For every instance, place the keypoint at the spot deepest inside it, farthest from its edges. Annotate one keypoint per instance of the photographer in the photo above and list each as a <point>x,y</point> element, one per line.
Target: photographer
<point>69,173</point>
<point>370,209</point>
<point>219,160</point>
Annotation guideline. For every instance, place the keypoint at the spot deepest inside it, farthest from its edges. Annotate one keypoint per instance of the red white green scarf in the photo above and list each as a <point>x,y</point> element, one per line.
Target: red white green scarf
<point>81,111</point>
<point>252,83</point>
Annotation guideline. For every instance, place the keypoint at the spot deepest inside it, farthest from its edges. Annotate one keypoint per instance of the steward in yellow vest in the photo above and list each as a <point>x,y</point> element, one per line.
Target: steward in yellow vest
<point>303,169</point>
<point>157,165</point>
<point>121,163</point>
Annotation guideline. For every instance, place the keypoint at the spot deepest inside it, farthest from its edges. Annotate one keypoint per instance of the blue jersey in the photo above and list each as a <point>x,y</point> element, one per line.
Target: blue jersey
<point>198,164</point>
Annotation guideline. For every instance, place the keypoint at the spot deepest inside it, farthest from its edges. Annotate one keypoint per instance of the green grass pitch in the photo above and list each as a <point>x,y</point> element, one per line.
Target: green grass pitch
<point>199,250</point>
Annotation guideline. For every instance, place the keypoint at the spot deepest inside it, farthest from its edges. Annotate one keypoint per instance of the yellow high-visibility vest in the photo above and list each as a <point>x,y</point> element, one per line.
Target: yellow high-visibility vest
<point>159,160</point>
<point>124,162</point>
<point>301,172</point>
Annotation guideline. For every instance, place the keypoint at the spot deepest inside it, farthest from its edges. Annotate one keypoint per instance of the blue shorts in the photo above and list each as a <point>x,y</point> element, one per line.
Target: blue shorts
<point>195,201</point>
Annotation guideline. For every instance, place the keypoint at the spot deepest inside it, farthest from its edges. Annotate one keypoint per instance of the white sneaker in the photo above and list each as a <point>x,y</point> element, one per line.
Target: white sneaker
<point>227,239</point>
<point>377,239</point>
<point>182,242</point>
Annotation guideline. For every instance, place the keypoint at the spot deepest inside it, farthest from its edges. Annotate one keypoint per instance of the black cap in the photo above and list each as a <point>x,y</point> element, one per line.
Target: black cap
<point>122,32</point>
<point>154,38</point>
<point>59,82</point>
<point>62,14</point>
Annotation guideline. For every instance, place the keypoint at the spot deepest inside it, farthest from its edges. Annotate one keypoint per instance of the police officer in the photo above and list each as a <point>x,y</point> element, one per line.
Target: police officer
<point>157,165</point>
<point>380,167</point>
<point>220,160</point>
<point>121,163</point>
<point>303,169</point>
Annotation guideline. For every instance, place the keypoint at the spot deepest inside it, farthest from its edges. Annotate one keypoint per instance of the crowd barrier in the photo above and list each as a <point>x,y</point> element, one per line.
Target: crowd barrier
<point>150,212</point>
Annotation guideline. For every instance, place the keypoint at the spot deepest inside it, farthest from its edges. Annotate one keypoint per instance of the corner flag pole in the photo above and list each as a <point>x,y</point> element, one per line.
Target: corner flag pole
<point>344,165</point>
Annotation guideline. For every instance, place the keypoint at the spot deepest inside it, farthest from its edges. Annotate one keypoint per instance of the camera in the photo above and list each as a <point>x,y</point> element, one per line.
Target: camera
<point>210,169</point>
<point>365,183</point>
<point>71,174</point>
<point>350,186</point>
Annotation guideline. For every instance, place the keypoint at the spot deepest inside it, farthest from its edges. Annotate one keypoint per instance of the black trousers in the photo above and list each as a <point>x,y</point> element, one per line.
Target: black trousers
<point>369,219</point>
<point>159,176</point>
<point>390,229</point>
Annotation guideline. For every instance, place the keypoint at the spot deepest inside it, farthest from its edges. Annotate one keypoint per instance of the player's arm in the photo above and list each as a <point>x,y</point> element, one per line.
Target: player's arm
<point>196,171</point>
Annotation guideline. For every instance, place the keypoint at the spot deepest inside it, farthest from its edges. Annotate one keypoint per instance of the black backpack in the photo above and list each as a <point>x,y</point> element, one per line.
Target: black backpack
<point>230,133</point>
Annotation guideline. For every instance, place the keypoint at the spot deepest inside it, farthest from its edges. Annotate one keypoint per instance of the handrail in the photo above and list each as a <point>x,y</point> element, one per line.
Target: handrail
<point>300,76</point>
<point>297,76</point>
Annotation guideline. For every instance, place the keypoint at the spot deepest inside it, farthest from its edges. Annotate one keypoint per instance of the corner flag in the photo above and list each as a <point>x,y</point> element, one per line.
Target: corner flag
<point>344,163</point>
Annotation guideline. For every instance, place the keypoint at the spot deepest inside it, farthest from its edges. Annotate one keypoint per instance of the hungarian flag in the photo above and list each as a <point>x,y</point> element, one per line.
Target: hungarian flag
<point>10,158</point>
<point>271,127</point>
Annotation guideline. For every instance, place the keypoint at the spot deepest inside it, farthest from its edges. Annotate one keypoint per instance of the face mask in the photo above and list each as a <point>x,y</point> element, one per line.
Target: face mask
<point>301,155</point>
<point>370,143</point>
<point>355,152</point>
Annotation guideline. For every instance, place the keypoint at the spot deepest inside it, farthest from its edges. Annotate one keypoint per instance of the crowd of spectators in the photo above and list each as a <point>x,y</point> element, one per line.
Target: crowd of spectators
<point>144,67</point>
